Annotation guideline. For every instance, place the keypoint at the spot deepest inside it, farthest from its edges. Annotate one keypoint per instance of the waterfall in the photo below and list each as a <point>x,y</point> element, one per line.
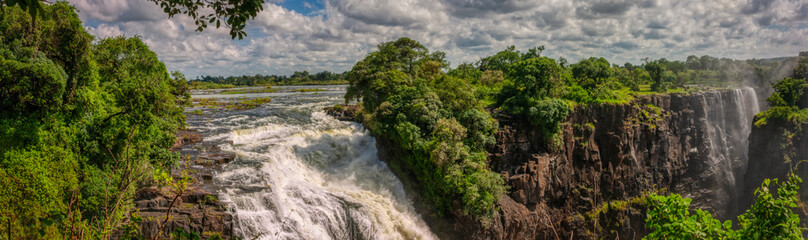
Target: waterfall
<point>301,174</point>
<point>728,117</point>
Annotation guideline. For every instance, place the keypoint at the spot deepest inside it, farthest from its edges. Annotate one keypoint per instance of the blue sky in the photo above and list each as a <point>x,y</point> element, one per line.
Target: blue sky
<point>303,7</point>
<point>332,35</point>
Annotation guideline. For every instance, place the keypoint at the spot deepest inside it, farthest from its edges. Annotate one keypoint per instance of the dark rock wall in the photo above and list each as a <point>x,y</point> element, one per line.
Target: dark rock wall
<point>767,145</point>
<point>589,185</point>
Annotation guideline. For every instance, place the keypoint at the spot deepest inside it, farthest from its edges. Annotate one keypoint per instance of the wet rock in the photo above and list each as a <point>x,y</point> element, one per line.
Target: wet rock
<point>344,112</point>
<point>197,210</point>
<point>186,137</point>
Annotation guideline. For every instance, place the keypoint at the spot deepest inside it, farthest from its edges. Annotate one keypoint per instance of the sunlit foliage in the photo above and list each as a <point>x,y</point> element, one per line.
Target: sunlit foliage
<point>81,125</point>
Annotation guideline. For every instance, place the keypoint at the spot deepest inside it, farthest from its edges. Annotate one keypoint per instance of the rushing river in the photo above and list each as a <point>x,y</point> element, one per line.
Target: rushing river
<point>301,174</point>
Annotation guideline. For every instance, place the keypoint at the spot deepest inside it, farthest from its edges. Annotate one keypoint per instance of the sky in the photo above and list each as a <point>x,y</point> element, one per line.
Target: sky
<point>332,35</point>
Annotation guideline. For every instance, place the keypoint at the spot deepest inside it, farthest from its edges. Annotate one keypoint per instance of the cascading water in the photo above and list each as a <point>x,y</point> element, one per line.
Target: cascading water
<point>728,119</point>
<point>301,174</point>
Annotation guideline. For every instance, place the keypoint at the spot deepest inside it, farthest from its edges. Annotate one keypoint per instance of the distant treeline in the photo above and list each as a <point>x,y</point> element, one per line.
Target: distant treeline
<point>297,78</point>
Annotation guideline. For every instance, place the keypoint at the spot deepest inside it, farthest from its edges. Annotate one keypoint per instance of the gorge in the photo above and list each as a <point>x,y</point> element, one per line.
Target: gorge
<point>611,156</point>
<point>102,138</point>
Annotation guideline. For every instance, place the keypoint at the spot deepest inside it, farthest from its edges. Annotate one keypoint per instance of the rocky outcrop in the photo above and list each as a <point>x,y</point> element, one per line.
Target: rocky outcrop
<point>197,210</point>
<point>186,137</point>
<point>344,112</point>
<point>767,159</point>
<point>590,183</point>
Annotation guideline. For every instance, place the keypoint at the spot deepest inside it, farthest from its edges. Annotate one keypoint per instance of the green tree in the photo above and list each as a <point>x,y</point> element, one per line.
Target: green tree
<point>788,92</point>
<point>535,77</point>
<point>591,72</point>
<point>656,70</point>
<point>434,117</point>
<point>81,125</point>
<point>500,61</point>
<point>770,217</point>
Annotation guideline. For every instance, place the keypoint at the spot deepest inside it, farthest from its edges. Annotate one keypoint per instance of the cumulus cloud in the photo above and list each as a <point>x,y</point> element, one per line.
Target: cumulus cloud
<point>340,32</point>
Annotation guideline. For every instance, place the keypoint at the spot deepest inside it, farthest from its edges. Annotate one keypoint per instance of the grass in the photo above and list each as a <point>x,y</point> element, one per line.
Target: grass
<point>302,90</point>
<point>243,104</point>
<point>247,91</point>
<point>209,85</point>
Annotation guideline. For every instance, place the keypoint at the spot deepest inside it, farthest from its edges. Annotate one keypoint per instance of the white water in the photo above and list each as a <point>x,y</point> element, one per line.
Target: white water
<point>301,174</point>
<point>728,116</point>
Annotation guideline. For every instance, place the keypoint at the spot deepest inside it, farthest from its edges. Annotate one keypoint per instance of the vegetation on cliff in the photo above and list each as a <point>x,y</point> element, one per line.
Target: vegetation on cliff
<point>436,117</point>
<point>770,217</point>
<point>410,96</point>
<point>789,102</point>
<point>82,124</point>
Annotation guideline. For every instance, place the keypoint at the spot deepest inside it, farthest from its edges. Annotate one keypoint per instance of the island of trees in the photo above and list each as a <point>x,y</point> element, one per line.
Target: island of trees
<point>297,78</point>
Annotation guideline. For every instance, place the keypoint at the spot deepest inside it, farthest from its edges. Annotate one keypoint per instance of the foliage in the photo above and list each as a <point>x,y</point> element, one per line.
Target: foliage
<point>591,72</point>
<point>233,13</point>
<point>669,217</point>
<point>656,70</point>
<point>297,78</point>
<point>770,217</point>
<point>789,103</point>
<point>788,93</point>
<point>436,118</point>
<point>81,124</point>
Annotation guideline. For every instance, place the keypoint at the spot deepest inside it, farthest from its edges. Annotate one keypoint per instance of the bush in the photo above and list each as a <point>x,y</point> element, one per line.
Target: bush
<point>769,217</point>
<point>436,119</point>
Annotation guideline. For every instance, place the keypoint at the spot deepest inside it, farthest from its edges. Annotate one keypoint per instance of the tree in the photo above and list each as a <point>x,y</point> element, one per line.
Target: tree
<point>591,72</point>
<point>533,52</point>
<point>535,76</point>
<point>788,93</point>
<point>234,14</point>
<point>656,70</point>
<point>394,63</point>
<point>500,61</point>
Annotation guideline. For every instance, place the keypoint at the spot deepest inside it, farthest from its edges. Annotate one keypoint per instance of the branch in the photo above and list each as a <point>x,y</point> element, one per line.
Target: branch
<point>168,214</point>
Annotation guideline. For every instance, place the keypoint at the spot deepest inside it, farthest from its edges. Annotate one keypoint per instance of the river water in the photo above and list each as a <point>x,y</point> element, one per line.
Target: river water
<point>301,174</point>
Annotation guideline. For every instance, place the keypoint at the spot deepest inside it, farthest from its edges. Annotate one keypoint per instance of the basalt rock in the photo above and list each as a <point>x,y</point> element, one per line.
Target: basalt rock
<point>590,182</point>
<point>344,112</point>
<point>767,159</point>
<point>197,210</point>
<point>186,137</point>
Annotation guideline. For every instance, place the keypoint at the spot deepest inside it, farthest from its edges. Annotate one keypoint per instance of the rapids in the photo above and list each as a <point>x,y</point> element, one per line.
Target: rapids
<point>301,174</point>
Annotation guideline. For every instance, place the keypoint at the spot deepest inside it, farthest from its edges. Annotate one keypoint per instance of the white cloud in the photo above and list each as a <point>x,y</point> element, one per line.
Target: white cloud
<point>333,38</point>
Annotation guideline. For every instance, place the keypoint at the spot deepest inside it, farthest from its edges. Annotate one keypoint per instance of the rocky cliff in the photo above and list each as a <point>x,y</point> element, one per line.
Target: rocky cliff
<point>197,210</point>
<point>590,183</point>
<point>767,145</point>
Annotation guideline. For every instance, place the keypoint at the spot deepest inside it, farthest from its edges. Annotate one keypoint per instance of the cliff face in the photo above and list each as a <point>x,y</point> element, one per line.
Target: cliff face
<point>591,183</point>
<point>767,145</point>
<point>610,155</point>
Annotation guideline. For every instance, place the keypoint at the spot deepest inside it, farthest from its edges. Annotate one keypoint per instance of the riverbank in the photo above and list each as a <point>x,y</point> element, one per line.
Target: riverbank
<point>195,211</point>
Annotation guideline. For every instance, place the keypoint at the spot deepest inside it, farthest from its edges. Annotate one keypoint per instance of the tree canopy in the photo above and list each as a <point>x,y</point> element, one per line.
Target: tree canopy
<point>233,14</point>
<point>82,123</point>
